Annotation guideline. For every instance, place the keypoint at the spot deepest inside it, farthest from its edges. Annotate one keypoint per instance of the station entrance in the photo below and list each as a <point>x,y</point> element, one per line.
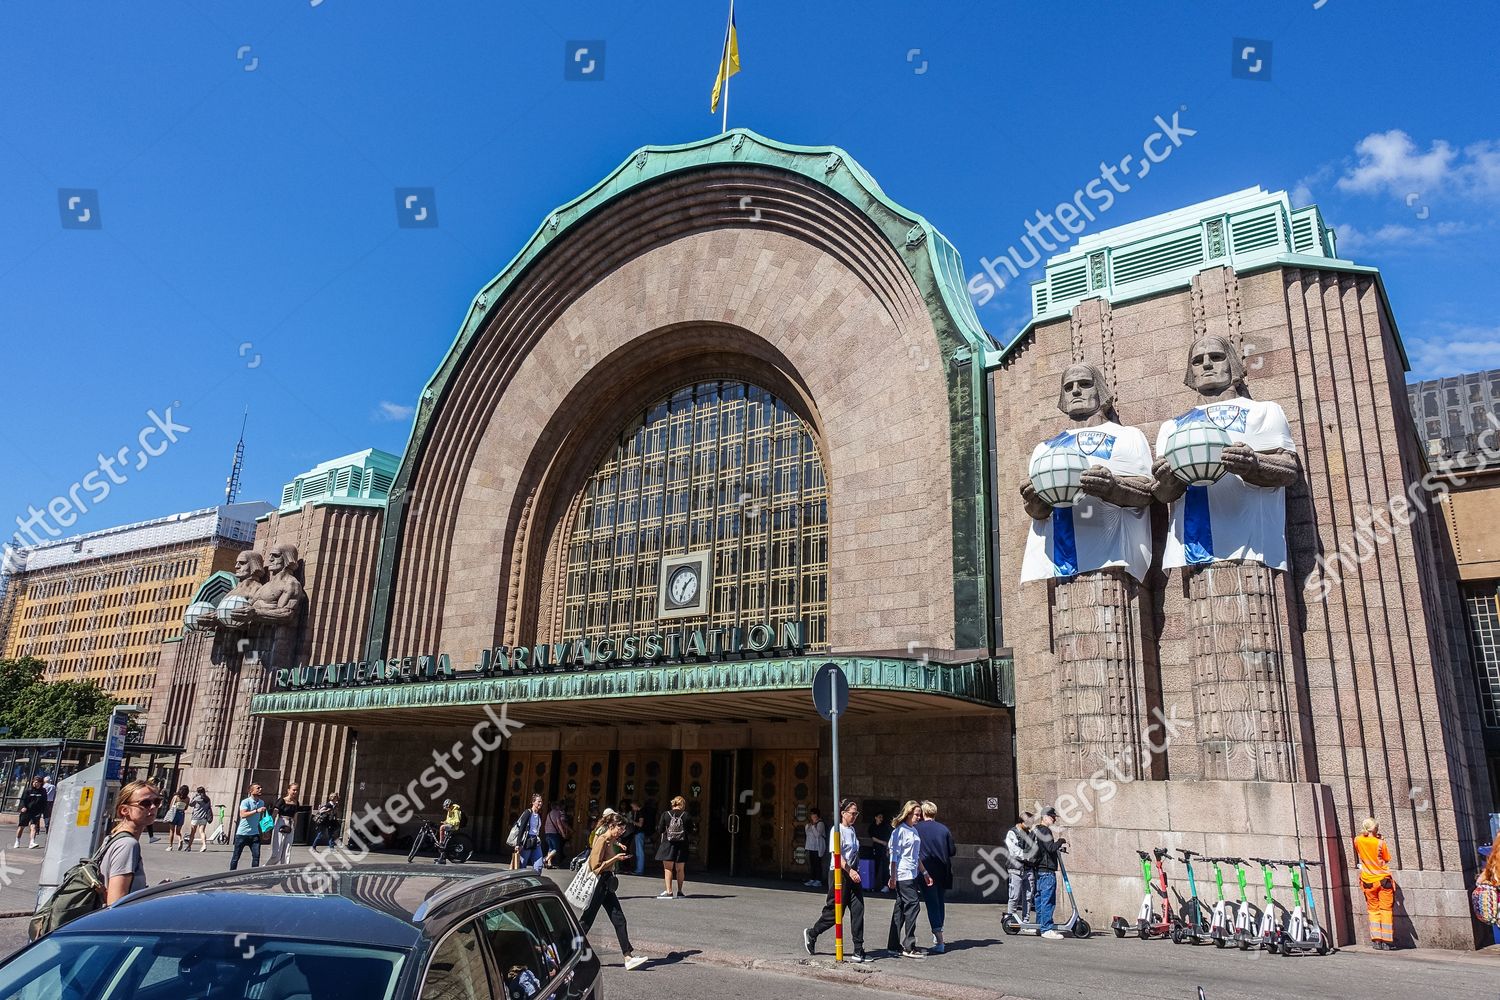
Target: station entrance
<point>748,804</point>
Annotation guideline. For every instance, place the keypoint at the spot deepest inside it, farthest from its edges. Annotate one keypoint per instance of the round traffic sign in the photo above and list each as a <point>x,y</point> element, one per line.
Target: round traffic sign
<point>830,690</point>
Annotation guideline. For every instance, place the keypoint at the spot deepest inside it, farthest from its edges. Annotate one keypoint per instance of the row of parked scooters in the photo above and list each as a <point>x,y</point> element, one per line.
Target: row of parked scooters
<point>1270,925</point>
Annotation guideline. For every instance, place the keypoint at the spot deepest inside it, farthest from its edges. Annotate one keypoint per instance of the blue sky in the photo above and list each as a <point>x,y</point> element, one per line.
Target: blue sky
<point>246,155</point>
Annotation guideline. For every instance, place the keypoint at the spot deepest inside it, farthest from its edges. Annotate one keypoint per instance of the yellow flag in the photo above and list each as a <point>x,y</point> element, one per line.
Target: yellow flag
<point>729,62</point>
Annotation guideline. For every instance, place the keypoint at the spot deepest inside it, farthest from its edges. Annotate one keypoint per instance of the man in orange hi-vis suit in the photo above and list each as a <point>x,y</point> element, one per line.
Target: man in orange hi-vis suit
<point>1375,879</point>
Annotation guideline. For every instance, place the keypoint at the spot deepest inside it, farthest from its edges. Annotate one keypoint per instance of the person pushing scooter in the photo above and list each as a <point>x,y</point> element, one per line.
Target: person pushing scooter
<point>1048,845</point>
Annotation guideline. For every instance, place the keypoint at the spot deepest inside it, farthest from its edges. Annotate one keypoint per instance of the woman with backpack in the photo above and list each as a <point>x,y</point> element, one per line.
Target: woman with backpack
<point>201,814</point>
<point>120,868</point>
<point>672,832</point>
<point>1375,879</point>
<point>1485,897</point>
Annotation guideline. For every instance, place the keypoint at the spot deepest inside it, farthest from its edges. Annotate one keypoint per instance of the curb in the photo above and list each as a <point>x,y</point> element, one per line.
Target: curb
<point>857,976</point>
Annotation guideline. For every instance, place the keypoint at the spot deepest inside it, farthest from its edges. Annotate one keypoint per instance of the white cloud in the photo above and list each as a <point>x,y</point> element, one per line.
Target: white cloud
<point>386,410</point>
<point>1395,236</point>
<point>1390,162</point>
<point>1454,351</point>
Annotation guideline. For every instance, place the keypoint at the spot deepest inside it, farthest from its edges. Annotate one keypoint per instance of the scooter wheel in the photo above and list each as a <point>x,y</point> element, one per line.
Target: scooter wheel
<point>1010,927</point>
<point>1244,945</point>
<point>1082,929</point>
<point>1219,942</point>
<point>1286,947</point>
<point>1177,935</point>
<point>1118,928</point>
<point>1322,943</point>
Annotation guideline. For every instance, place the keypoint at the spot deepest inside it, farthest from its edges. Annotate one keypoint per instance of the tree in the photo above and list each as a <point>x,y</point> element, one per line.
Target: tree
<point>35,709</point>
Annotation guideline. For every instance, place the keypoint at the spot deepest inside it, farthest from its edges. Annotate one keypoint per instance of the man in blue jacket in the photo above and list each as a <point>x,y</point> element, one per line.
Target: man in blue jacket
<point>938,850</point>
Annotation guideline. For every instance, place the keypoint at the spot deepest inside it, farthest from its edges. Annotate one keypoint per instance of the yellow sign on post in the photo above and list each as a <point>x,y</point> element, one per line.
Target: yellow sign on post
<point>85,805</point>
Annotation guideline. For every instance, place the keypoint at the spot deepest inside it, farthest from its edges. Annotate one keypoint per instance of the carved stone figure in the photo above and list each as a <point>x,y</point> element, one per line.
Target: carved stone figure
<point>234,610</point>
<point>1242,516</point>
<point>1098,550</point>
<point>1107,524</point>
<point>279,601</point>
<point>1230,538</point>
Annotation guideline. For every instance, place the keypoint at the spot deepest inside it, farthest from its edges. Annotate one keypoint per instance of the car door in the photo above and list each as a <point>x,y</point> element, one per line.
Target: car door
<point>459,967</point>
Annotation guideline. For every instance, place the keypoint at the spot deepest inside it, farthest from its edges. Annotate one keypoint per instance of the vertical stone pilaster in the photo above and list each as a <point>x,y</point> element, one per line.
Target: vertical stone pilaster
<point>1239,689</point>
<point>1101,683</point>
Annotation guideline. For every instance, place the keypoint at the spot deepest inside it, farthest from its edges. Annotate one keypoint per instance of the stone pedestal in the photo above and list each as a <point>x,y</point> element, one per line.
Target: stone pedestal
<point>1102,691</point>
<point>1240,700</point>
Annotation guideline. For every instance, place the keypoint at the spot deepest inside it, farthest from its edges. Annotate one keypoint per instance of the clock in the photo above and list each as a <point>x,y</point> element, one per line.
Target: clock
<point>685,585</point>
<point>682,587</point>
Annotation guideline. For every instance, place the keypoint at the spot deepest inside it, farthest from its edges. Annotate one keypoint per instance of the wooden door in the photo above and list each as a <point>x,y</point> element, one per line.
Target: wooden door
<point>583,778</point>
<point>697,780</point>
<point>643,778</point>
<point>527,772</point>
<point>784,784</point>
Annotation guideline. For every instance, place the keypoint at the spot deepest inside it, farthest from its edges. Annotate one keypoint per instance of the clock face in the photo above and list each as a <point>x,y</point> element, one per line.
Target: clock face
<point>682,588</point>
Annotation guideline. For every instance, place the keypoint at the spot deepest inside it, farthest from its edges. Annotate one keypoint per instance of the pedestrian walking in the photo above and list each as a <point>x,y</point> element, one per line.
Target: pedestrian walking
<point>815,843</point>
<point>247,833</point>
<point>1020,848</point>
<point>880,853</point>
<point>854,890</point>
<point>160,787</point>
<point>557,833</point>
<point>938,850</point>
<point>121,867</point>
<point>284,813</point>
<point>526,837</point>
<point>1378,884</point>
<point>606,853</point>
<point>200,814</point>
<point>635,826</point>
<point>673,829</point>
<point>177,818</point>
<point>1048,846</point>
<point>907,875</point>
<point>326,822</point>
<point>50,787</point>
<point>33,809</point>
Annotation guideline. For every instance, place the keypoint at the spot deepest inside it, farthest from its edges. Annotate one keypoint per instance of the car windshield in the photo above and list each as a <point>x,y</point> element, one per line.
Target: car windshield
<point>194,966</point>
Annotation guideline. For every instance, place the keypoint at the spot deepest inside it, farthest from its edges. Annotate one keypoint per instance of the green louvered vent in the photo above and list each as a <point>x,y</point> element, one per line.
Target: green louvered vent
<point>341,481</point>
<point>1070,284</point>
<point>1147,262</point>
<point>1039,299</point>
<point>1256,233</point>
<point>1304,235</point>
<point>289,494</point>
<point>315,486</point>
<point>380,483</point>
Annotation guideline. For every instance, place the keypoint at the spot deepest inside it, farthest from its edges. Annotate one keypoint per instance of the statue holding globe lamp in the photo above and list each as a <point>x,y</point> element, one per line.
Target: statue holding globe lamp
<point>233,611</point>
<point>1223,467</point>
<point>1088,491</point>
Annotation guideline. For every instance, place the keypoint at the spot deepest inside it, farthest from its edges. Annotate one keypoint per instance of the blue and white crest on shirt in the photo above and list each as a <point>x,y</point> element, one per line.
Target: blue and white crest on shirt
<point>1097,443</point>
<point>1229,416</point>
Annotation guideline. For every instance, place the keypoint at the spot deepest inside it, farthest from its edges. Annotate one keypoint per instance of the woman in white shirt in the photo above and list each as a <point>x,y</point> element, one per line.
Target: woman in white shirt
<point>815,841</point>
<point>906,870</point>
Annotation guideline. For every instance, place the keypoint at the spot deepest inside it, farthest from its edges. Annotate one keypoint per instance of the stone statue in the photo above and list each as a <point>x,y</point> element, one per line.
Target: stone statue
<point>1229,537</point>
<point>1107,525</point>
<point>234,611</point>
<point>279,601</point>
<point>1242,516</point>
<point>1098,550</point>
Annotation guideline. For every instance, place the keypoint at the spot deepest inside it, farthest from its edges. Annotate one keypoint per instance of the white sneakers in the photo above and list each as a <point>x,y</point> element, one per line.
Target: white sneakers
<point>635,962</point>
<point>1053,935</point>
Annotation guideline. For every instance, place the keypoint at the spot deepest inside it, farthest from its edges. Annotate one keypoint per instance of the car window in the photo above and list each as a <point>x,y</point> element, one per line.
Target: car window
<point>516,945</point>
<point>456,971</point>
<point>560,937</point>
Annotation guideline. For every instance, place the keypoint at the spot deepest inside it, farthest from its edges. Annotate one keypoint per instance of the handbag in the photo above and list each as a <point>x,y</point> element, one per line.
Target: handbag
<point>1485,899</point>
<point>266,822</point>
<point>580,891</point>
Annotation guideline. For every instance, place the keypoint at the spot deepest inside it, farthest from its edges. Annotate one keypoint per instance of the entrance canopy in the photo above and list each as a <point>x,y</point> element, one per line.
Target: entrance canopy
<point>698,692</point>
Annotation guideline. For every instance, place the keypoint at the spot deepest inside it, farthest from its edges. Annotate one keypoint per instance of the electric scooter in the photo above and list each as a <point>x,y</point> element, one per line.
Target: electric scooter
<point>1247,914</point>
<point>1303,932</point>
<point>1075,925</point>
<point>1267,933</point>
<point>1221,921</point>
<point>1148,923</point>
<point>1192,926</point>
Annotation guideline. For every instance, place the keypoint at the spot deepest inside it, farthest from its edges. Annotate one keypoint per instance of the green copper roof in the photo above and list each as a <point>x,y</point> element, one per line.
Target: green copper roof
<point>363,478</point>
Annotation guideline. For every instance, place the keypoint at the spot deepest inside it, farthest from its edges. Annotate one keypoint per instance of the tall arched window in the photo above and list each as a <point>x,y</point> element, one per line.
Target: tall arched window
<point>720,466</point>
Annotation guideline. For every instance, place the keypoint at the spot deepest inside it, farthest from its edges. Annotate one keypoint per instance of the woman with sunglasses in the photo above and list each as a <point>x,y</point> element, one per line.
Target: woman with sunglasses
<point>121,867</point>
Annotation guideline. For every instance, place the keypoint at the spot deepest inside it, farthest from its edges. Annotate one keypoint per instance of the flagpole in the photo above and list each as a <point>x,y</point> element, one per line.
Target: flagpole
<point>727,30</point>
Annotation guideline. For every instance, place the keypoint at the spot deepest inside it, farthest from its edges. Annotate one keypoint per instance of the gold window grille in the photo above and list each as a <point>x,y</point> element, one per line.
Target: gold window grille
<point>723,466</point>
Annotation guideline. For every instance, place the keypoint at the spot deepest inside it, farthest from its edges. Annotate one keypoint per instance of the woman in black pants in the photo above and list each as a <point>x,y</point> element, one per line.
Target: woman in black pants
<point>603,857</point>
<point>907,877</point>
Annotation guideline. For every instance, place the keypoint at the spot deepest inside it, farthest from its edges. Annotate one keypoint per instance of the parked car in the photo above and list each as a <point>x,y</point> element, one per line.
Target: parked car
<point>283,933</point>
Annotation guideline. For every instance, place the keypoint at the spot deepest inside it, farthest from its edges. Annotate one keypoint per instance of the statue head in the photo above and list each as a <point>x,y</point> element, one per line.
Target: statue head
<point>250,565</point>
<point>282,558</point>
<point>1213,366</point>
<point>1084,392</point>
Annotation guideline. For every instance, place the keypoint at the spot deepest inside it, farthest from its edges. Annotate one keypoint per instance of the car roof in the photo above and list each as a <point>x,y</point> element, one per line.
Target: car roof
<point>386,906</point>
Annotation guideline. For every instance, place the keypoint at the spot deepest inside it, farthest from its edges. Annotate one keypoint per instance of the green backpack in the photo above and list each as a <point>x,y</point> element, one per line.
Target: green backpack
<point>82,891</point>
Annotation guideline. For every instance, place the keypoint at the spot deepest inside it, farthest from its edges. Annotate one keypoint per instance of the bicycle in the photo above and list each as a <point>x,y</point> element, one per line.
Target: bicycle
<point>457,848</point>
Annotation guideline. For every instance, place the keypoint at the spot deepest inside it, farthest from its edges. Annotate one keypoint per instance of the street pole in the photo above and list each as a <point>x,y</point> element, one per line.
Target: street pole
<point>838,820</point>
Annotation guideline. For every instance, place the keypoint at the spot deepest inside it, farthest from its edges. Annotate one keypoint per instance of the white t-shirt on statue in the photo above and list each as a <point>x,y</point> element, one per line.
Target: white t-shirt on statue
<point>1231,519</point>
<point>1093,534</point>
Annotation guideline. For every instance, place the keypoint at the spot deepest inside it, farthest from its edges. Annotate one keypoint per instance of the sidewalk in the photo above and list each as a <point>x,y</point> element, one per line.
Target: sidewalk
<point>756,925</point>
